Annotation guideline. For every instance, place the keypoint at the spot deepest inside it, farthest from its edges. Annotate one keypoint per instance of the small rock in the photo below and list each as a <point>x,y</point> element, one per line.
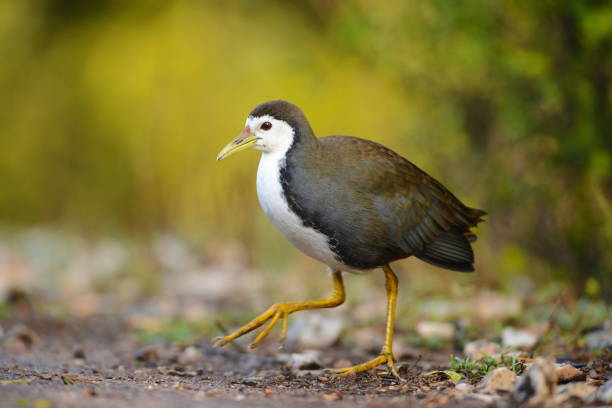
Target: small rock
<point>78,353</point>
<point>604,393</point>
<point>429,329</point>
<point>342,363</point>
<point>251,381</point>
<point>486,398</point>
<point>147,355</point>
<point>190,355</point>
<point>566,373</point>
<point>537,383</point>
<point>479,349</point>
<point>500,379</point>
<point>307,360</point>
<point>464,388</point>
<point>493,306</point>
<point>585,392</point>
<point>20,302</point>
<point>367,338</point>
<point>21,338</point>
<point>512,337</point>
<point>598,340</point>
<point>315,331</point>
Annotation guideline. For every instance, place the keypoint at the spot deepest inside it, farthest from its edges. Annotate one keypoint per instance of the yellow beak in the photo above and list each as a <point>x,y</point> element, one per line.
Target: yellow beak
<point>244,140</point>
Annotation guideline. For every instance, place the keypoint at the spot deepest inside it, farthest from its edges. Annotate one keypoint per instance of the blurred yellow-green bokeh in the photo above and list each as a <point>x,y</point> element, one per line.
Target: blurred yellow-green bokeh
<point>112,112</point>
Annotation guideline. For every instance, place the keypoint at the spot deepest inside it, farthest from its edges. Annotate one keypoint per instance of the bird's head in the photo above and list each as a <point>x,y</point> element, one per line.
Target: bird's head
<point>271,127</point>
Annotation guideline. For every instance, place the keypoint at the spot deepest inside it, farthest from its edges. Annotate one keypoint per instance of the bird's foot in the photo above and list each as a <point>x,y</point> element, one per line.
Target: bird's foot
<point>383,358</point>
<point>273,314</point>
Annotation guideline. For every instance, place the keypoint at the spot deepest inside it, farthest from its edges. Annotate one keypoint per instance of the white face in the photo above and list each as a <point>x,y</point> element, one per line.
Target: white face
<point>273,135</point>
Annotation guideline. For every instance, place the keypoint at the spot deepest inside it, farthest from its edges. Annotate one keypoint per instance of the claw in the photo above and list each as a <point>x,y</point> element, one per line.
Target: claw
<point>283,336</point>
<point>282,311</point>
<point>219,341</point>
<point>264,333</point>
<point>275,312</point>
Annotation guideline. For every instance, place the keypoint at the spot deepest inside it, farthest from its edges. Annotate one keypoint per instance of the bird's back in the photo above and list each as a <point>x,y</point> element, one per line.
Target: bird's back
<point>377,207</point>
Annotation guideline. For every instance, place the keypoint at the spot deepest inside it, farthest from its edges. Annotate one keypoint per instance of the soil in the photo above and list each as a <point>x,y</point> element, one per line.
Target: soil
<point>99,362</point>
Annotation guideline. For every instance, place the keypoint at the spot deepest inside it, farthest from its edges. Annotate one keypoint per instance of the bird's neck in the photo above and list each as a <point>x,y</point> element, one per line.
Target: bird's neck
<point>304,146</point>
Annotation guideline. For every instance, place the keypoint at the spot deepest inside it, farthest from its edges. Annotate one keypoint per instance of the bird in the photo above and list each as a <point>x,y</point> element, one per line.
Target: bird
<point>352,204</point>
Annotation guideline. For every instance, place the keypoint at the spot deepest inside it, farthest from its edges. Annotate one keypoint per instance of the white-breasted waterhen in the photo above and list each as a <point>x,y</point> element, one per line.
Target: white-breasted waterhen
<point>352,204</point>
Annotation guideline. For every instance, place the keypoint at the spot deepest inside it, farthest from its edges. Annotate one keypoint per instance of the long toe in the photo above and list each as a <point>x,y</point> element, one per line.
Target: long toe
<point>369,365</point>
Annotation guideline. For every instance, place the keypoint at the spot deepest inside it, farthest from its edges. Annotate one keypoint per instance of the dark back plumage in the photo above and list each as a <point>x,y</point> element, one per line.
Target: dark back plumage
<point>374,206</point>
<point>377,207</point>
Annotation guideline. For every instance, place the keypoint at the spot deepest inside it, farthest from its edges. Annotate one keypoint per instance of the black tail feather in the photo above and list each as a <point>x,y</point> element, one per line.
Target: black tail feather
<point>450,250</point>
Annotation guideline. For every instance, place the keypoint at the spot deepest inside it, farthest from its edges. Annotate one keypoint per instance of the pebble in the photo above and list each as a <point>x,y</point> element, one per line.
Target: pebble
<point>582,390</point>
<point>566,373</point>
<point>147,355</point>
<point>430,329</point>
<point>79,353</point>
<point>493,306</point>
<point>190,355</point>
<point>307,360</point>
<point>21,338</point>
<point>314,331</point>
<point>604,393</point>
<point>479,349</point>
<point>519,338</point>
<point>342,363</point>
<point>486,398</point>
<point>251,381</point>
<point>537,383</point>
<point>464,388</point>
<point>499,379</point>
<point>599,340</point>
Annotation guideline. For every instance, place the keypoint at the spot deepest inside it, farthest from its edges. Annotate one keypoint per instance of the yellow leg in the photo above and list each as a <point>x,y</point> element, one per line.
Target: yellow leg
<point>386,354</point>
<point>282,311</point>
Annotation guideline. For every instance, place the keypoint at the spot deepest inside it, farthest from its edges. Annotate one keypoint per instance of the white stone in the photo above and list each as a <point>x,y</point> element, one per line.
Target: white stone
<point>582,390</point>
<point>567,372</point>
<point>512,337</point>
<point>604,393</point>
<point>537,383</point>
<point>308,359</point>
<point>479,349</point>
<point>435,329</point>
<point>499,379</point>
<point>314,331</point>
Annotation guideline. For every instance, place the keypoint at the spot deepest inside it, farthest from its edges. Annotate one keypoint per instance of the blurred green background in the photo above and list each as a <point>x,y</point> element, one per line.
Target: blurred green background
<point>112,112</point>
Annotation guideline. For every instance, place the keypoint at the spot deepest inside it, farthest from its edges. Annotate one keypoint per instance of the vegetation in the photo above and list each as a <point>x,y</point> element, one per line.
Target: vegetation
<point>112,113</point>
<point>475,370</point>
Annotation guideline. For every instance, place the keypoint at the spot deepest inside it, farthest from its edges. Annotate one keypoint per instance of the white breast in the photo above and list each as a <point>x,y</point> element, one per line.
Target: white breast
<point>272,201</point>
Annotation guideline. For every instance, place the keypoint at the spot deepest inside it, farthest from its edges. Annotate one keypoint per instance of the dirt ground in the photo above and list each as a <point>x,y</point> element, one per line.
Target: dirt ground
<point>99,362</point>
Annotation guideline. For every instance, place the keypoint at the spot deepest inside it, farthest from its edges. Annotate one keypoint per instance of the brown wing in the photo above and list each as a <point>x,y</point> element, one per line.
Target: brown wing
<point>419,214</point>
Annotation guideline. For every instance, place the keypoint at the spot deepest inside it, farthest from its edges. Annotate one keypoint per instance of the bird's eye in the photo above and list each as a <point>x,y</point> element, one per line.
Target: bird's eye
<point>266,126</point>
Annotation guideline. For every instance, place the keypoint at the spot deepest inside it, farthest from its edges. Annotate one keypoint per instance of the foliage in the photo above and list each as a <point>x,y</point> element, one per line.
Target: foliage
<point>174,330</point>
<point>475,370</point>
<point>111,114</point>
